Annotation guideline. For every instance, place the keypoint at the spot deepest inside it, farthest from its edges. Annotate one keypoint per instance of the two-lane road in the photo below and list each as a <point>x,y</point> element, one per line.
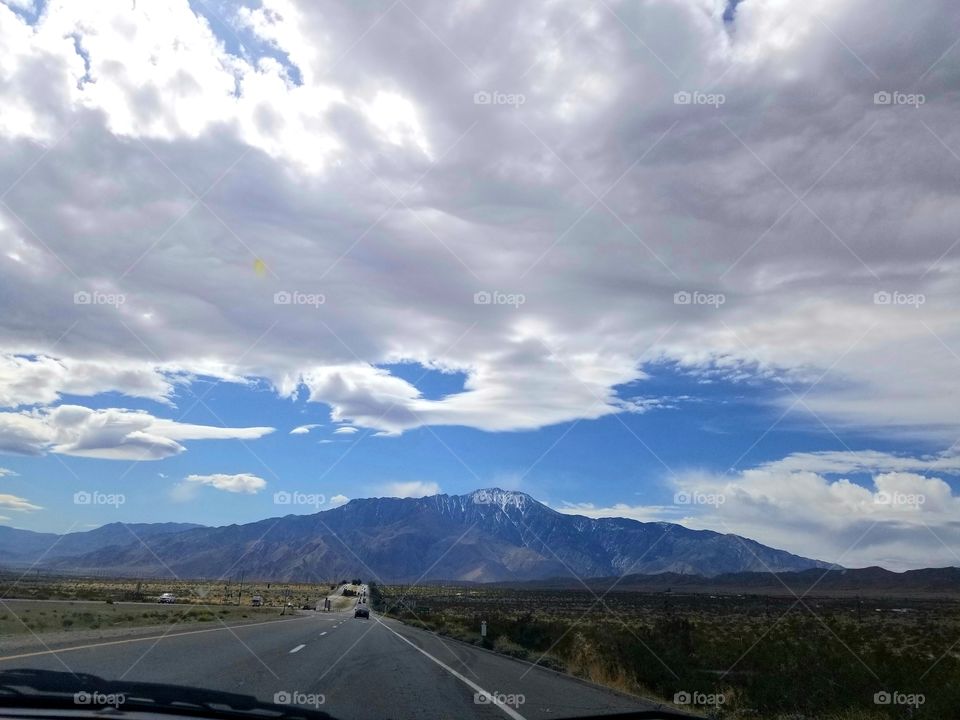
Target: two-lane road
<point>376,668</point>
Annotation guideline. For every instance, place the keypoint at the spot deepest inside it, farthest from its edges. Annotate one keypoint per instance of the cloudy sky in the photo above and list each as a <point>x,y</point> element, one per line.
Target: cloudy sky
<point>684,260</point>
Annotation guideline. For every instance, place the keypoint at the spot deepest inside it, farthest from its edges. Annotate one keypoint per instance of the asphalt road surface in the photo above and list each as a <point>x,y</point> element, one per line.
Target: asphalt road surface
<point>349,667</point>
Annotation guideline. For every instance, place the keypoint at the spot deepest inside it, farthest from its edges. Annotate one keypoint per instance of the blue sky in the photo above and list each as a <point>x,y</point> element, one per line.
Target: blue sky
<point>628,458</point>
<point>691,261</point>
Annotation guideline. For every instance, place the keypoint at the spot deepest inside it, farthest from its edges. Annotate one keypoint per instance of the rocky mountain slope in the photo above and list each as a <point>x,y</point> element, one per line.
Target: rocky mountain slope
<point>486,535</point>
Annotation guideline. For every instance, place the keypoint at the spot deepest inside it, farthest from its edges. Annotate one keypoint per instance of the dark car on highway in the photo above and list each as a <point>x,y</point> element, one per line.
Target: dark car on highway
<point>361,612</point>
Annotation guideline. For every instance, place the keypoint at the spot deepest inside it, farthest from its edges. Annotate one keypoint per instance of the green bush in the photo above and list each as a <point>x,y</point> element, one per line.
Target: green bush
<point>508,647</point>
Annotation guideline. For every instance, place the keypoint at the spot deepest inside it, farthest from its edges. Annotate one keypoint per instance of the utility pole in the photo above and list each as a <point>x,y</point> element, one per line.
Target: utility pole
<point>240,591</point>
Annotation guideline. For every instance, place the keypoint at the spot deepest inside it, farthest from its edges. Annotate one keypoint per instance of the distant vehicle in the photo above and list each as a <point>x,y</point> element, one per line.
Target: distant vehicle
<point>307,607</point>
<point>167,598</point>
<point>256,601</point>
<point>362,612</point>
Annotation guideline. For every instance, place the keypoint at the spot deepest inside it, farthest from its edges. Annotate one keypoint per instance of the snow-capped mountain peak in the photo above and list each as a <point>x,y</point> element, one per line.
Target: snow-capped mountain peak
<point>504,499</point>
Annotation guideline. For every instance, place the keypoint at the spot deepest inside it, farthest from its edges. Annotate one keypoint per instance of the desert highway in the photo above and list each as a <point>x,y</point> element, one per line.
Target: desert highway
<point>363,669</point>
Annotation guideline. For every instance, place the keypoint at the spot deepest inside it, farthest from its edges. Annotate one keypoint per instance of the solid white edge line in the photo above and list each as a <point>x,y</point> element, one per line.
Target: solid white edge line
<point>476,688</point>
<point>165,636</point>
<point>298,648</point>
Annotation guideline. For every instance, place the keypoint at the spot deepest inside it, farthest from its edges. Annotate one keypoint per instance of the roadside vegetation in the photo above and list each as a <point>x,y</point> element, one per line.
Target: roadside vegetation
<point>19,617</point>
<point>227,592</point>
<point>732,656</point>
<point>83,604</point>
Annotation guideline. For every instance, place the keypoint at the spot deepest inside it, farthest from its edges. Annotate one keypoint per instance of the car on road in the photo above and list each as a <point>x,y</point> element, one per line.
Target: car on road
<point>361,612</point>
<point>167,598</point>
<point>256,601</point>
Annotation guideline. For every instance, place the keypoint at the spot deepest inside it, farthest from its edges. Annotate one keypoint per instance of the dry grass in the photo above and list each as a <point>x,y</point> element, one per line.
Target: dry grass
<point>824,661</point>
<point>19,617</point>
<point>197,592</point>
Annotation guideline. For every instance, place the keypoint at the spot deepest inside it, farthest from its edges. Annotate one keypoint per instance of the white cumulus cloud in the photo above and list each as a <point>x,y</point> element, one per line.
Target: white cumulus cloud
<point>303,429</point>
<point>112,434</point>
<point>409,489</point>
<point>500,204</point>
<point>14,502</point>
<point>238,483</point>
<point>897,518</point>
<point>310,210</point>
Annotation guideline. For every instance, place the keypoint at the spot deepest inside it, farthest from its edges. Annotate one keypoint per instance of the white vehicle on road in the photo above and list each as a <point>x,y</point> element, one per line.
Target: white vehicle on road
<point>167,598</point>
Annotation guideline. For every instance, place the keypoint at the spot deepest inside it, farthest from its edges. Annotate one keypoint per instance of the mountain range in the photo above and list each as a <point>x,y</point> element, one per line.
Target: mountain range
<point>25,547</point>
<point>483,536</point>
<point>869,581</point>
